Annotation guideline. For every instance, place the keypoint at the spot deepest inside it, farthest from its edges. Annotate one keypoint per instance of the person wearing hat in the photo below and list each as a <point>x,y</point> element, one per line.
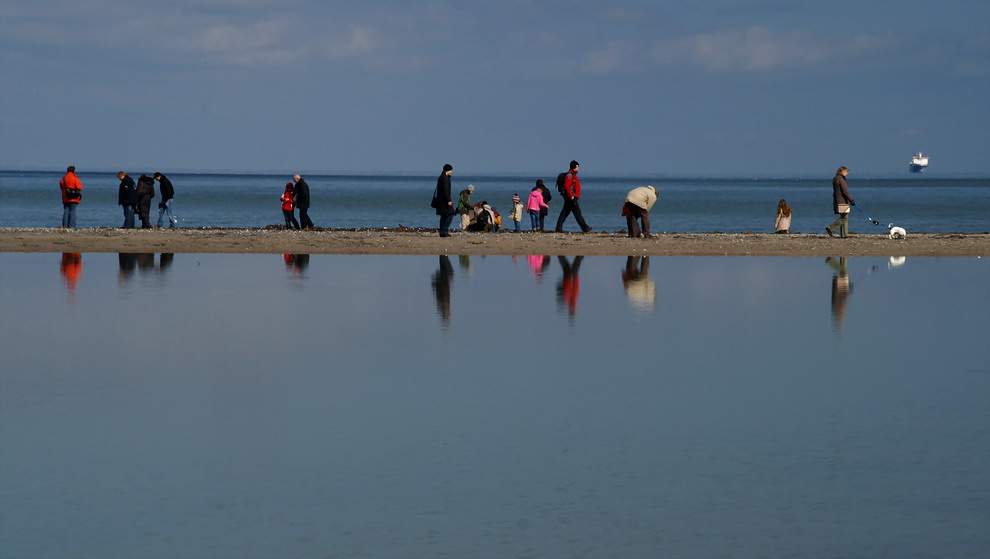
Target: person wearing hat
<point>465,208</point>
<point>571,189</point>
<point>516,213</point>
<point>639,201</point>
<point>443,202</point>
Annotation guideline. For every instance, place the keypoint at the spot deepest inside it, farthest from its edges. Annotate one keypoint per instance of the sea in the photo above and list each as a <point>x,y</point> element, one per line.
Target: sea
<point>253,406</point>
<point>922,203</point>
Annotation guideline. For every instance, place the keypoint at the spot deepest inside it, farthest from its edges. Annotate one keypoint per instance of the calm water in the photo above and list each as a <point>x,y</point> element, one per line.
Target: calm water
<point>921,203</point>
<point>258,406</point>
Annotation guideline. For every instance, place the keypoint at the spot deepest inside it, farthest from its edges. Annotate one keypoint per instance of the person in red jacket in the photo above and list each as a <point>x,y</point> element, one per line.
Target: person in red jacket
<point>71,188</point>
<point>571,192</point>
<point>288,206</point>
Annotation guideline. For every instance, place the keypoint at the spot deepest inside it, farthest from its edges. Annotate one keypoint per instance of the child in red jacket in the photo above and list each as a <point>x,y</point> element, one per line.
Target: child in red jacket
<point>289,206</point>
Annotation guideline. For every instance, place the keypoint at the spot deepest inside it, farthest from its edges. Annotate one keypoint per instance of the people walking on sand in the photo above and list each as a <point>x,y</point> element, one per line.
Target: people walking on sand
<point>145,192</point>
<point>570,187</point>
<point>127,198</point>
<point>639,201</point>
<point>842,203</point>
<point>545,209</point>
<point>165,206</point>
<point>534,205</point>
<point>464,207</point>
<point>783,222</point>
<point>302,202</point>
<point>71,188</point>
<point>516,213</point>
<point>442,201</point>
<point>288,206</point>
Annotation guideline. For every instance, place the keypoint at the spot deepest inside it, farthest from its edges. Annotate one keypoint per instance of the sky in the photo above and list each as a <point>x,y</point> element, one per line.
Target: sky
<point>626,87</point>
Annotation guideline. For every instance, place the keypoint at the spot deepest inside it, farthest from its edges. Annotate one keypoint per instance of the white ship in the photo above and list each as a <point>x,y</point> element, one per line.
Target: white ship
<point>918,163</point>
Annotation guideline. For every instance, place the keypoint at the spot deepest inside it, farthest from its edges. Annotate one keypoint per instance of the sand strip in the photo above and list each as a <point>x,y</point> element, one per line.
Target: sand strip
<point>421,241</point>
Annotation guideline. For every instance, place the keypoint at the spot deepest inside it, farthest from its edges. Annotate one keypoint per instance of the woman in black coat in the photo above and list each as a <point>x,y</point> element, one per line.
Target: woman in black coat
<point>442,201</point>
<point>145,192</point>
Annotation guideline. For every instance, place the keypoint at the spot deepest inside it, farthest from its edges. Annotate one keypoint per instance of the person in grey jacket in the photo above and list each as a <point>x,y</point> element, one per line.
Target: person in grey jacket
<point>842,203</point>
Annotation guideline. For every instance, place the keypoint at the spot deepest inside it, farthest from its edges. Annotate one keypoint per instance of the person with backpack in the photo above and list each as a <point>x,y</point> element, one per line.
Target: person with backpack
<point>569,187</point>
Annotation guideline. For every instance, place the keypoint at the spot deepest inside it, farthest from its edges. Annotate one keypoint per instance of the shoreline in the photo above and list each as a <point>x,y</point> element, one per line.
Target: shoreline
<point>276,240</point>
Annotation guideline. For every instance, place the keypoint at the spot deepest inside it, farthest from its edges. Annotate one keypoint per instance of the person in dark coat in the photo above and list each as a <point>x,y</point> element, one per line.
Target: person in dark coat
<point>145,192</point>
<point>442,201</point>
<point>842,203</point>
<point>546,200</point>
<point>302,202</point>
<point>165,206</point>
<point>127,198</point>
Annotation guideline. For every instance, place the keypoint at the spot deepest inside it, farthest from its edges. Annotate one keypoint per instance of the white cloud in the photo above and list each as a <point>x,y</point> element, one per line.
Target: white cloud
<point>758,48</point>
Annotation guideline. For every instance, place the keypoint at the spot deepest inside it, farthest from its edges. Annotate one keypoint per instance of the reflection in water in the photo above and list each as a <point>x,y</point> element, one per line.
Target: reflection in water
<point>896,261</point>
<point>569,287</point>
<point>841,289</point>
<point>71,268</point>
<point>442,280</point>
<point>539,265</point>
<point>129,262</point>
<point>640,289</point>
<point>296,263</point>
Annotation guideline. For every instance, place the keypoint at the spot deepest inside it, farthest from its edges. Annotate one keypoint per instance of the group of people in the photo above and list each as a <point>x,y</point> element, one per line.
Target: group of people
<point>130,196</point>
<point>136,198</point>
<point>568,185</point>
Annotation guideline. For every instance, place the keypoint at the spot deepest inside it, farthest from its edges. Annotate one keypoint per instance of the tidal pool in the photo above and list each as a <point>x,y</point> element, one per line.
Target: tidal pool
<point>257,406</point>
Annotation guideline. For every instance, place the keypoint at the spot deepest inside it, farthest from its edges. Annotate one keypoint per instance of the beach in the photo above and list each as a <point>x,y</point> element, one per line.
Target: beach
<point>414,241</point>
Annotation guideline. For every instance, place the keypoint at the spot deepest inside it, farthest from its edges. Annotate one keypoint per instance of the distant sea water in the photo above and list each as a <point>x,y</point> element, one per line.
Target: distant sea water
<point>919,203</point>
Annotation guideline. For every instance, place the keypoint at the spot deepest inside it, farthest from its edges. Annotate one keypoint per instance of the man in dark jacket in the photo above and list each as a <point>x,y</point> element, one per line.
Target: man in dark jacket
<point>302,202</point>
<point>127,198</point>
<point>571,192</point>
<point>165,206</point>
<point>442,201</point>
<point>842,203</point>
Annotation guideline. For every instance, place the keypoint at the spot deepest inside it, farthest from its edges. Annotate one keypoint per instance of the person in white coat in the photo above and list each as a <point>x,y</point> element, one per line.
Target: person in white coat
<point>639,201</point>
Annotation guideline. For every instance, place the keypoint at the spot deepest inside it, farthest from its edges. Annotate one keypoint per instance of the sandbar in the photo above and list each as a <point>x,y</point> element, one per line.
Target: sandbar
<point>276,240</point>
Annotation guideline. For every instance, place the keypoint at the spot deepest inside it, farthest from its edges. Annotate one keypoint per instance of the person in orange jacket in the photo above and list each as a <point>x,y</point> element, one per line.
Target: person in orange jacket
<point>71,188</point>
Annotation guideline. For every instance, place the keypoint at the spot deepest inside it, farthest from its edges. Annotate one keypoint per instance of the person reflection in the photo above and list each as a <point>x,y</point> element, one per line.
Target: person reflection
<point>442,280</point>
<point>569,286</point>
<point>127,263</point>
<point>640,289</point>
<point>164,262</point>
<point>71,269</point>
<point>538,264</point>
<point>841,289</point>
<point>296,263</point>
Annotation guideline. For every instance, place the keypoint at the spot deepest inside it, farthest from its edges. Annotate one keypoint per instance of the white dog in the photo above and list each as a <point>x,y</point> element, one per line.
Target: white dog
<point>896,232</point>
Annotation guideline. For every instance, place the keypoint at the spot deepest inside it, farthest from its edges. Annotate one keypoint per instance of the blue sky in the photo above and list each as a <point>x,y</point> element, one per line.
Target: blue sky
<point>706,87</point>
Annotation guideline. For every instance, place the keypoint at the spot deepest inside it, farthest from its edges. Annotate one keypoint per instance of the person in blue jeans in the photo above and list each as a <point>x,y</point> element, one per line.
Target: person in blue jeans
<point>165,206</point>
<point>533,205</point>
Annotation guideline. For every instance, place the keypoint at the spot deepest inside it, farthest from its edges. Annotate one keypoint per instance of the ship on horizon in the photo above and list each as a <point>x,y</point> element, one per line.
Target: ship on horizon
<point>918,163</point>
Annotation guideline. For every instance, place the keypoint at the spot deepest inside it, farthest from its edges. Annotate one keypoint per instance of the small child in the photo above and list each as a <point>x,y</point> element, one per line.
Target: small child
<point>533,205</point>
<point>517,212</point>
<point>289,206</point>
<point>783,223</point>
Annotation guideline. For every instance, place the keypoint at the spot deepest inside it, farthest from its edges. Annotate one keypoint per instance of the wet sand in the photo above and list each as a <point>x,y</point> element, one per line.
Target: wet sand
<point>274,240</point>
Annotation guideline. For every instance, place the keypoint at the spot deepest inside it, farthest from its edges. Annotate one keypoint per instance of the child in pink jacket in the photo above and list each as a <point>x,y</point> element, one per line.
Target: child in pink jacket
<point>533,205</point>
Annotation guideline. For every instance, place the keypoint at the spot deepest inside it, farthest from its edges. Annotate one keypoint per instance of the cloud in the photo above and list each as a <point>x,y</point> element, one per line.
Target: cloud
<point>758,49</point>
